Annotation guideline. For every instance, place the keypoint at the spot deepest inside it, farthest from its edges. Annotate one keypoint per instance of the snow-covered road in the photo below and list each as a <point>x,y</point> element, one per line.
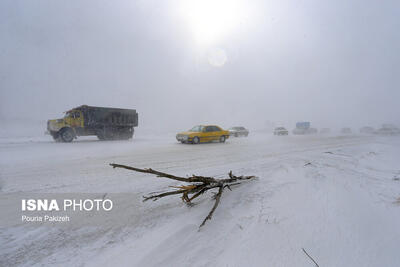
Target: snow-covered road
<point>333,196</point>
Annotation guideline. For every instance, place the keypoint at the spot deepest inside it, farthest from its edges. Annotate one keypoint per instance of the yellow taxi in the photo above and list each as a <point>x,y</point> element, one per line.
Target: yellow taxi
<point>202,134</point>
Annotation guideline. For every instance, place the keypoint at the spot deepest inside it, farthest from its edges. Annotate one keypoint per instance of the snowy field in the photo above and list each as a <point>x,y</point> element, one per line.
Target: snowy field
<point>335,196</point>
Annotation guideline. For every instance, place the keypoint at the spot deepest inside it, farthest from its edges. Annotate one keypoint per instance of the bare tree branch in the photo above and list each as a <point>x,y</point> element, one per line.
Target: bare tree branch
<point>198,186</point>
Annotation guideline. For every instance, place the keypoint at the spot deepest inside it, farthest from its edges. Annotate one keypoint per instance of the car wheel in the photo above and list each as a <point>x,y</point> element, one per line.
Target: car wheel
<point>67,135</point>
<point>196,140</point>
<point>222,139</point>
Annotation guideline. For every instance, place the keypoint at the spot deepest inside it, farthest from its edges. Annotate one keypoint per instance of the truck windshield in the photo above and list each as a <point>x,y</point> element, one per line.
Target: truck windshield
<point>72,114</point>
<point>197,128</point>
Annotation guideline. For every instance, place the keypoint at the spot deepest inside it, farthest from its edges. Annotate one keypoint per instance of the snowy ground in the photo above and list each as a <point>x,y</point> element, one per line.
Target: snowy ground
<point>334,196</point>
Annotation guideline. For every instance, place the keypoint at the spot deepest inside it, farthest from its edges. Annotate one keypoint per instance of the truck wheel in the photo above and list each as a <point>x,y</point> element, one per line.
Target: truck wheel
<point>196,140</point>
<point>67,135</point>
<point>222,139</point>
<point>107,134</point>
<point>110,134</point>
<point>100,134</point>
<point>126,134</point>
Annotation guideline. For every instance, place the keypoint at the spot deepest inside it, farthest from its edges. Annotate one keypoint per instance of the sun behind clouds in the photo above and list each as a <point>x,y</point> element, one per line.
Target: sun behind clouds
<point>212,20</point>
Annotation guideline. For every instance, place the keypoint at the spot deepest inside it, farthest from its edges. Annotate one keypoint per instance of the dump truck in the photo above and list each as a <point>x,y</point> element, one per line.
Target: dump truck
<point>105,123</point>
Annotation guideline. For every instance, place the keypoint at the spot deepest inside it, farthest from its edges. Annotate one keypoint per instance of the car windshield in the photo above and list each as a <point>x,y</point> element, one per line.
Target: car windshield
<point>197,128</point>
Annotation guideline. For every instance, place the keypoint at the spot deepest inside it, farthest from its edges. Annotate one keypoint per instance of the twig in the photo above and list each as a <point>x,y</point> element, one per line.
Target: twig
<point>155,197</point>
<point>192,179</point>
<point>316,264</point>
<point>217,199</point>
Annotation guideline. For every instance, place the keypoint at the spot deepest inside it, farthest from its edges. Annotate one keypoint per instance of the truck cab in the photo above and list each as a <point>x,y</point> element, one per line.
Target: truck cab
<point>65,129</point>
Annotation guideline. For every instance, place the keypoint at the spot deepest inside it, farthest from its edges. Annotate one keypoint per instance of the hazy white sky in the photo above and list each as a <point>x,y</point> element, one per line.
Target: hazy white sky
<point>181,63</point>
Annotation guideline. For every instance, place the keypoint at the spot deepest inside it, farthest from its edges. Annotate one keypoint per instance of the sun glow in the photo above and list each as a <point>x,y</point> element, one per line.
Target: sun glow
<point>211,20</point>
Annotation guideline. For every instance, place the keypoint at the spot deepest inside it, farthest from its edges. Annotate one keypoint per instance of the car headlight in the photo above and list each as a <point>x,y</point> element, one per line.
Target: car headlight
<point>182,137</point>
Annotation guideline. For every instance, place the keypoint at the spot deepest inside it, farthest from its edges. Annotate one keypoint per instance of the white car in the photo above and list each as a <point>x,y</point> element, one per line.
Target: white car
<point>281,131</point>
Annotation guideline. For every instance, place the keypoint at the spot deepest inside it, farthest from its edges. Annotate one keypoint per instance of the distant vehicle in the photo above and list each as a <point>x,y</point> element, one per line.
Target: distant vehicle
<point>388,129</point>
<point>304,128</point>
<point>280,131</point>
<point>105,123</point>
<point>367,130</point>
<point>325,131</point>
<point>303,125</point>
<point>203,133</point>
<point>238,131</point>
<point>346,130</point>
<point>389,126</point>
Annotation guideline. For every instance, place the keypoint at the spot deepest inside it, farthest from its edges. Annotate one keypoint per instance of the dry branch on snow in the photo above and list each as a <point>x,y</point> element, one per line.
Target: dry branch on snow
<point>197,186</point>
